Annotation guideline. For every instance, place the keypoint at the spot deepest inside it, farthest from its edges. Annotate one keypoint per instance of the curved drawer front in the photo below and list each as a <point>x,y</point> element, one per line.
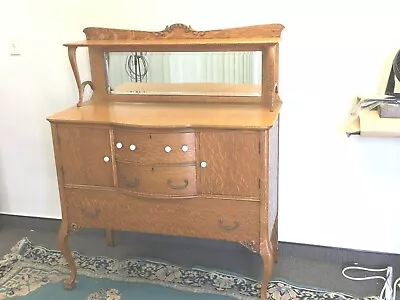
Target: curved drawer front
<point>204,218</point>
<point>154,147</point>
<point>157,180</point>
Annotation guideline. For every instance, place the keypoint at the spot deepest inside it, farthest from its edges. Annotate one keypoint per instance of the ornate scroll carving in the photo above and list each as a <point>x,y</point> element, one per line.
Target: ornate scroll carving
<point>250,245</point>
<point>74,65</point>
<point>74,227</point>
<point>179,30</point>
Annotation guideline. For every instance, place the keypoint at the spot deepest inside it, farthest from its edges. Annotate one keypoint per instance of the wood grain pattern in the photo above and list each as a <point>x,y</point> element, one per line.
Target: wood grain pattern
<point>98,74</point>
<point>158,180</point>
<point>59,171</point>
<point>233,197</point>
<point>62,236</point>
<point>168,115</point>
<point>182,31</point>
<point>240,44</point>
<point>273,170</point>
<point>273,188</point>
<point>199,88</point>
<point>233,163</point>
<point>151,147</point>
<point>200,218</point>
<point>276,101</point>
<point>270,80</point>
<point>265,245</point>
<point>82,151</point>
<point>181,99</point>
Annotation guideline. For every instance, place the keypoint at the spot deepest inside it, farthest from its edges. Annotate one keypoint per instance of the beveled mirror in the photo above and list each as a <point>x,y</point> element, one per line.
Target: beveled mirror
<point>227,73</point>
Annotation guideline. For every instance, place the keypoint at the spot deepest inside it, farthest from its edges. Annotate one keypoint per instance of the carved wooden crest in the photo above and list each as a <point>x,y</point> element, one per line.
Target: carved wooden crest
<point>174,31</point>
<point>179,30</point>
<point>182,31</point>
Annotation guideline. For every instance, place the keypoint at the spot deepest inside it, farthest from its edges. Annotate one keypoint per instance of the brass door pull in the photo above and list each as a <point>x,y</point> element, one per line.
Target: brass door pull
<point>233,227</point>
<point>131,183</point>
<point>178,187</point>
<point>90,215</point>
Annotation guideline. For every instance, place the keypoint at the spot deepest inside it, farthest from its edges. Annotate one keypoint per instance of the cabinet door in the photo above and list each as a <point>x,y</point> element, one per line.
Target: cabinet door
<point>85,154</point>
<point>229,163</point>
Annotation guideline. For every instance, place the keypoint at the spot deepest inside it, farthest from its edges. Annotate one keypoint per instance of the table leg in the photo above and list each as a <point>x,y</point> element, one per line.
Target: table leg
<point>62,241</point>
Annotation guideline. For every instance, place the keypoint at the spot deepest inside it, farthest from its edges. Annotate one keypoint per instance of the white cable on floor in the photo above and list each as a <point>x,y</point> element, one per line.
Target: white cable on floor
<point>388,291</point>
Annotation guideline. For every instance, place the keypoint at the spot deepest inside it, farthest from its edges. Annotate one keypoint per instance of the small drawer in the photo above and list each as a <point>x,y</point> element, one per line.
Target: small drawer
<point>130,145</point>
<point>154,147</point>
<point>147,179</point>
<point>173,147</point>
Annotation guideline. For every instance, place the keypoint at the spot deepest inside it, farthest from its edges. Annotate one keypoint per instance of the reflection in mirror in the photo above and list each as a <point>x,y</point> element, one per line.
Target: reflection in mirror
<point>184,73</point>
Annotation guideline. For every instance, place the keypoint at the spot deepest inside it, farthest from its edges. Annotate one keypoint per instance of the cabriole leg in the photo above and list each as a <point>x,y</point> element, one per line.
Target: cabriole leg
<point>62,242</point>
<point>274,241</point>
<point>268,260</point>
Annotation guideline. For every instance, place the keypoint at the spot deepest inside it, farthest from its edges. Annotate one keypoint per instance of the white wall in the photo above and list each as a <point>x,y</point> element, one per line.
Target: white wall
<point>334,190</point>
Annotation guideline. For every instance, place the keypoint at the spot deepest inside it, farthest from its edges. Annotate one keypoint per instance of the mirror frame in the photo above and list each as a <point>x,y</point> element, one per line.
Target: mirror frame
<point>179,38</point>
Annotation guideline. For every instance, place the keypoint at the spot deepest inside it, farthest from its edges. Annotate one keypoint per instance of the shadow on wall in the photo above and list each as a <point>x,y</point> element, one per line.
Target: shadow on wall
<point>3,192</point>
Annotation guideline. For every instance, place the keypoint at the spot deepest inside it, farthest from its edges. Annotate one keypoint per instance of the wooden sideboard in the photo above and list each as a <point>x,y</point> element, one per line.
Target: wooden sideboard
<point>201,166</point>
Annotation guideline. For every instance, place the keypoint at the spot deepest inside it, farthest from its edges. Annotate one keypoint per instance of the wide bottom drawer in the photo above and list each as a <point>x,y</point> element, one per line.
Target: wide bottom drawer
<point>204,218</point>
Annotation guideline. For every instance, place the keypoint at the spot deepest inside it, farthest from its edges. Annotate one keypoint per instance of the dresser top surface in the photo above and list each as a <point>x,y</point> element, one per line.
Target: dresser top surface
<point>170,115</point>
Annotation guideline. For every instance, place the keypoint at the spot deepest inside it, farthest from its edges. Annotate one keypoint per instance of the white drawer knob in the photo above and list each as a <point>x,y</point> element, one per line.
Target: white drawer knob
<point>119,145</point>
<point>167,149</point>
<point>203,164</point>
<point>185,148</point>
<point>132,147</point>
<point>106,159</point>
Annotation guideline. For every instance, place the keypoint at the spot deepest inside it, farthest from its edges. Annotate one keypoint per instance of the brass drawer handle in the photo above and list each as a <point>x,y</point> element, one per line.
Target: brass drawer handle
<point>131,183</point>
<point>90,215</point>
<point>228,227</point>
<point>178,187</point>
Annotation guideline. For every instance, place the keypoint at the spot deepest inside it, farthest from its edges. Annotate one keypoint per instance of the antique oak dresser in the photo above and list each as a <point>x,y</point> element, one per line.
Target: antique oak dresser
<point>175,133</point>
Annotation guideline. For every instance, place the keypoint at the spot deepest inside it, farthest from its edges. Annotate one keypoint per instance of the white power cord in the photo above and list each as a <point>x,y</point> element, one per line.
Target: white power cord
<point>388,291</point>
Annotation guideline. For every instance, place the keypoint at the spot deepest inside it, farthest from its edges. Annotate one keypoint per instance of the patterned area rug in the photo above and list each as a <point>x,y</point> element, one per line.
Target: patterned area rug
<point>36,272</point>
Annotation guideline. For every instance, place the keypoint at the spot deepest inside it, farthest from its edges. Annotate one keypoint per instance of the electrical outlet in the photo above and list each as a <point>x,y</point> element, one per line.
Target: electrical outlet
<point>15,47</point>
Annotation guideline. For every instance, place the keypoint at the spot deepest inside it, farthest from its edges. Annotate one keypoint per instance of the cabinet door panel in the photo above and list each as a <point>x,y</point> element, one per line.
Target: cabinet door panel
<point>232,163</point>
<point>82,152</point>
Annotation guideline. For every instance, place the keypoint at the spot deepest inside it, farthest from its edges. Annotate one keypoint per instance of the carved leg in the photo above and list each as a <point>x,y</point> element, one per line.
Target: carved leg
<point>268,260</point>
<point>109,237</point>
<point>274,240</point>
<point>62,241</point>
<point>276,253</point>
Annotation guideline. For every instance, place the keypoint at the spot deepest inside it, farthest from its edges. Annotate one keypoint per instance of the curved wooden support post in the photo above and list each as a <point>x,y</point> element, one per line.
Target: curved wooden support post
<point>89,83</point>
<point>74,65</point>
<point>268,261</point>
<point>109,237</point>
<point>62,242</point>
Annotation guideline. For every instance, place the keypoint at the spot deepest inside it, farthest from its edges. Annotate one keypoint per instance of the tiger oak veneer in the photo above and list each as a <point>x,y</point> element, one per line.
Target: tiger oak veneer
<point>201,166</point>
